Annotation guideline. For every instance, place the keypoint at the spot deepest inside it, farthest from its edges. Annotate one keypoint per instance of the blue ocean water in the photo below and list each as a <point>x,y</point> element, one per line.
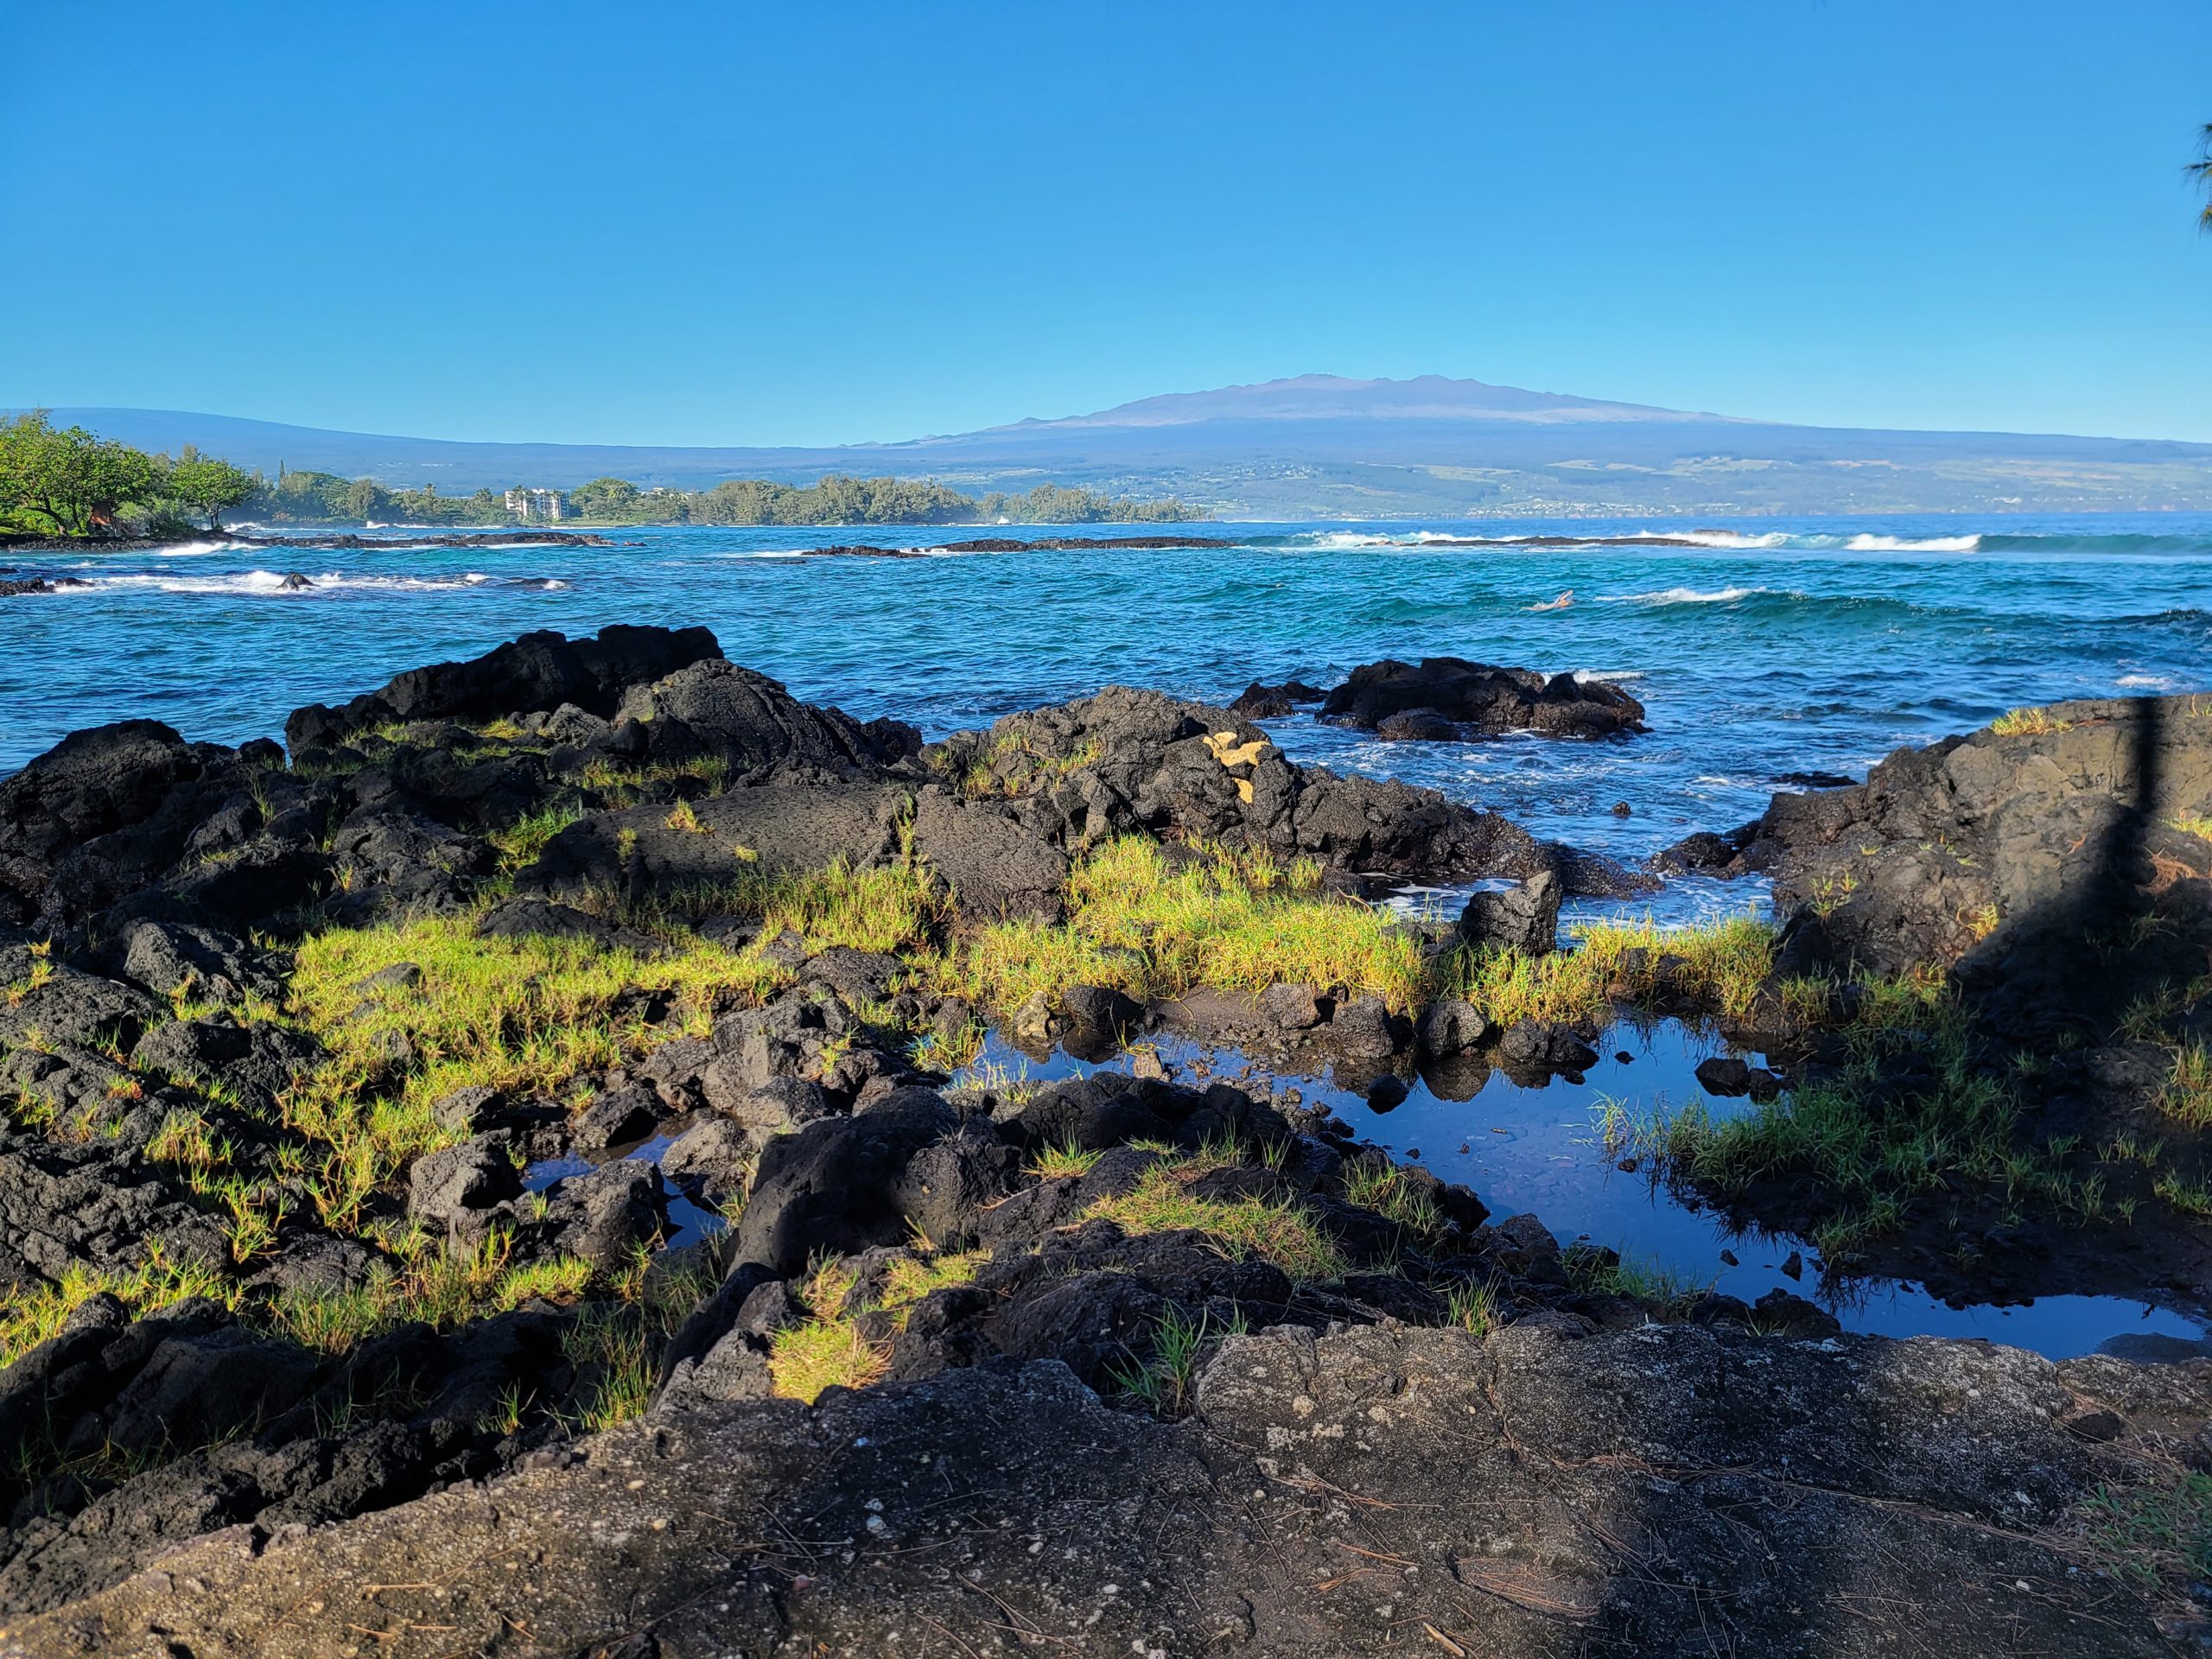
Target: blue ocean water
<point>1761,649</point>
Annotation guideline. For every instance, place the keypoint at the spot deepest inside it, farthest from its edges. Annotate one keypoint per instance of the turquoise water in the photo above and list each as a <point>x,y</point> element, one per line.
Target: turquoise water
<point>1772,649</point>
<point>1768,648</point>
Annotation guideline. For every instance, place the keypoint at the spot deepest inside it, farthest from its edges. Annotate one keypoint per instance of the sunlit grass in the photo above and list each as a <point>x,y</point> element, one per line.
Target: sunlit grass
<point>1146,923</point>
<point>1276,1230</point>
<point>2029,722</point>
<point>1719,965</point>
<point>28,1318</point>
<point>435,1282</point>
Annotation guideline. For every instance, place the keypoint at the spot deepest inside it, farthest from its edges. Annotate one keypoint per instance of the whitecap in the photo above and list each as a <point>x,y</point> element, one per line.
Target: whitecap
<point>1683,596</point>
<point>1907,544</point>
<point>2147,682</point>
<point>1338,540</point>
<point>1733,539</point>
<point>196,550</point>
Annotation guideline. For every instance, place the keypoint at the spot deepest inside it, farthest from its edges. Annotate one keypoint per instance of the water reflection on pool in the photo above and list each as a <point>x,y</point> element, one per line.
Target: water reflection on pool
<point>1537,1149</point>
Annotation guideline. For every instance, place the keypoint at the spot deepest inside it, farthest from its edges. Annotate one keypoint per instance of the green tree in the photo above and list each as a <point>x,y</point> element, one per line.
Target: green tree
<point>209,485</point>
<point>2200,171</point>
<point>73,479</point>
<point>605,498</point>
<point>364,499</point>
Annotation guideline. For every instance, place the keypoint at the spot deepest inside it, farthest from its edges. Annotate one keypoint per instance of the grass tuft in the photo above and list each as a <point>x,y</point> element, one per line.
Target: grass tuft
<point>1063,1162</point>
<point>1276,1230</point>
<point>2029,722</point>
<point>1147,922</point>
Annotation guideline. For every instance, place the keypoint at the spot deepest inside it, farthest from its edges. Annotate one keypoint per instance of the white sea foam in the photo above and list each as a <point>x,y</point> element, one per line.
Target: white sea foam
<point>271,582</point>
<point>1335,540</point>
<point>2147,682</point>
<point>1683,596</point>
<point>196,550</point>
<point>1720,538</point>
<point>1907,544</point>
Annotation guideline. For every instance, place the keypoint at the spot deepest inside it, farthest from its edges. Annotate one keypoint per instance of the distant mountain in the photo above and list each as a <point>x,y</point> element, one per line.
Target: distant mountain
<point>1329,397</point>
<point>1319,446</point>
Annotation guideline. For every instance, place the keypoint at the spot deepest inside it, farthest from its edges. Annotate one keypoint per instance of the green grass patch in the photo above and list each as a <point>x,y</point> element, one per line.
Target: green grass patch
<point>1872,1151</point>
<point>437,1282</point>
<point>2154,1533</point>
<point>1065,1162</point>
<point>1164,1380</point>
<point>1276,1230</point>
<point>1608,1273</point>
<point>524,1014</point>
<point>2029,722</point>
<point>1377,1184</point>
<point>29,1317</point>
<point>1147,923</point>
<point>2187,1097</point>
<point>1720,965</point>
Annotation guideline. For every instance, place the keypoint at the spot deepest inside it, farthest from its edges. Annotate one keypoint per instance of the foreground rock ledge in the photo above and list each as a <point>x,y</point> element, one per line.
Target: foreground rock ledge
<point>1380,1489</point>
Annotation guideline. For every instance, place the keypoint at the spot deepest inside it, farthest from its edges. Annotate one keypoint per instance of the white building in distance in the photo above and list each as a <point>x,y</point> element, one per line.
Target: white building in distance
<point>535,504</point>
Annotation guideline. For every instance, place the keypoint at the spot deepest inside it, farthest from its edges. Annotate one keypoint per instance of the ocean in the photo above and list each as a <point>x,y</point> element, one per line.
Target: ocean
<point>1760,650</point>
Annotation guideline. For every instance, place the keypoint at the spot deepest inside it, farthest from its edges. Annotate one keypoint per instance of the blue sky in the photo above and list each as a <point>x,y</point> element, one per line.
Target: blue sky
<point>724,223</point>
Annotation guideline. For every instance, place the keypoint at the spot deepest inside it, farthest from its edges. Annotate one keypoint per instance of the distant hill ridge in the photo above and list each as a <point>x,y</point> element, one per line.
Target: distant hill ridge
<point>1322,446</point>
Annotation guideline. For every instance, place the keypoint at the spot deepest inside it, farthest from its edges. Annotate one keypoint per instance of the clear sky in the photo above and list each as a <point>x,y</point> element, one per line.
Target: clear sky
<point>777,223</point>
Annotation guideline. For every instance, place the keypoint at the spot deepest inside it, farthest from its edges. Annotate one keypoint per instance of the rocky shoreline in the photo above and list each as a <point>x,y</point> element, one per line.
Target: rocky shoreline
<point>548,1085</point>
<point>11,543</point>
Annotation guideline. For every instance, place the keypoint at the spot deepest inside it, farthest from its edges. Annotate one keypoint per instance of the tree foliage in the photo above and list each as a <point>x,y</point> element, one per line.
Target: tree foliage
<point>209,485</point>
<point>77,482</point>
<point>70,477</point>
<point>2200,171</point>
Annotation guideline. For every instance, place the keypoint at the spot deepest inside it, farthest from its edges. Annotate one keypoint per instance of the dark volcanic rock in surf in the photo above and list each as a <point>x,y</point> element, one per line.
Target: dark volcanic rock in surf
<point>2013,857</point>
<point>1421,700</point>
<point>538,673</point>
<point>1258,701</point>
<point>1078,773</point>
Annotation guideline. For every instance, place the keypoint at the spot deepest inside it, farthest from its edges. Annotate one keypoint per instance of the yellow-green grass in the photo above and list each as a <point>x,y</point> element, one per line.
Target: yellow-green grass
<point>1719,965</point>
<point>1276,1230</point>
<point>1063,1162</point>
<point>2188,1095</point>
<point>2193,824</point>
<point>2028,722</point>
<point>521,842</point>
<point>984,777</point>
<point>437,1283</point>
<point>829,1347</point>
<point>28,1318</point>
<point>1145,923</point>
<point>519,1014</point>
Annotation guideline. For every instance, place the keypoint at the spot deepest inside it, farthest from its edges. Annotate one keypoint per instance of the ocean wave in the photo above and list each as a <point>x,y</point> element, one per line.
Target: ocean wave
<point>197,550</point>
<point>1686,596</point>
<point>1729,540</point>
<point>257,583</point>
<point>1907,544</point>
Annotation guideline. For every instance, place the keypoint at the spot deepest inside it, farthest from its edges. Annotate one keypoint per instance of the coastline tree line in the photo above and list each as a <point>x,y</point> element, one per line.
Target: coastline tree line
<point>68,481</point>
